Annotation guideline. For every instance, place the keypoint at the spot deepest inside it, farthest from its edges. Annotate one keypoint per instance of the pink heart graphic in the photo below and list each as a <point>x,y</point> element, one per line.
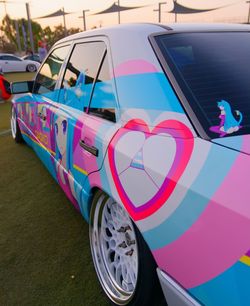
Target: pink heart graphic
<point>184,142</point>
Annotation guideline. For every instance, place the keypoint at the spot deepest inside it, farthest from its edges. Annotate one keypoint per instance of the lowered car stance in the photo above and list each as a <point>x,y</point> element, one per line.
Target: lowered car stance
<point>146,129</point>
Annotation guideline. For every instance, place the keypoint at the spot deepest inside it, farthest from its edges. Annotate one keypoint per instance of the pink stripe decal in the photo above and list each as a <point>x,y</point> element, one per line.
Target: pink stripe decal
<point>235,192</point>
<point>220,236</point>
<point>134,67</point>
<point>85,129</point>
<point>200,255</point>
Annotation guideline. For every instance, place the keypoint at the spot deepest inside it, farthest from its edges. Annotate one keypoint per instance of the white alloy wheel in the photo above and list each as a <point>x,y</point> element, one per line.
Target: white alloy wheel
<point>114,249</point>
<point>31,68</point>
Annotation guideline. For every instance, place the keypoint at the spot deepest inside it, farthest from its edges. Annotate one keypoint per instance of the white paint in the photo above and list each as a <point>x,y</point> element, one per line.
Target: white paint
<point>138,186</point>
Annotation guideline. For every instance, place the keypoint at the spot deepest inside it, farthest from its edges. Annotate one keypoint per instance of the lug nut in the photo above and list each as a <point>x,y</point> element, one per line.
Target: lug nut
<point>123,229</point>
<point>130,242</point>
<point>122,245</point>
<point>129,253</point>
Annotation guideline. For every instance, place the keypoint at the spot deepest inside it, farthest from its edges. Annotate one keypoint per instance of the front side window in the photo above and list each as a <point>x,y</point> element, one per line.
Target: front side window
<point>80,74</point>
<point>48,75</point>
<point>213,71</point>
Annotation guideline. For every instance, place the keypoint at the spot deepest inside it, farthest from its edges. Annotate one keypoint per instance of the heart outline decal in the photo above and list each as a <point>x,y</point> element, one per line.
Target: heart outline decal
<point>184,141</point>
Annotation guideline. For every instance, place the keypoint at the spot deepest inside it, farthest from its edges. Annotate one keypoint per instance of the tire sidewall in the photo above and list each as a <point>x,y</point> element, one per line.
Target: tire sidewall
<point>32,66</point>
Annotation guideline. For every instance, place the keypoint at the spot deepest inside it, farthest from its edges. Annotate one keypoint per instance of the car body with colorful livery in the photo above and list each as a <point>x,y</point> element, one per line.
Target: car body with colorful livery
<point>145,128</point>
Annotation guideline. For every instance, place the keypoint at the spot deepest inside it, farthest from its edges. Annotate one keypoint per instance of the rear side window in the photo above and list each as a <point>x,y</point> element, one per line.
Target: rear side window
<point>81,73</point>
<point>48,75</point>
<point>103,102</point>
<point>213,72</point>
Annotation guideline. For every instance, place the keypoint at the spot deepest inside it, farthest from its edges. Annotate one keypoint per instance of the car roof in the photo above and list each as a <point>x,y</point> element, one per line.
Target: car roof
<point>136,28</point>
<point>130,41</point>
<point>115,30</point>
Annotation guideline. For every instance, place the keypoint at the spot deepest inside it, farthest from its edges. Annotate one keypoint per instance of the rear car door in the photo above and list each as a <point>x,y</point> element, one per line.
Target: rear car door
<point>87,95</point>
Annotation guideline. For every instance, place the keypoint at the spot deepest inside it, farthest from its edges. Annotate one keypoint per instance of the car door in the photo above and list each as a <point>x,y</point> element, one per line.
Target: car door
<point>13,63</point>
<point>44,105</point>
<point>2,63</point>
<point>86,85</point>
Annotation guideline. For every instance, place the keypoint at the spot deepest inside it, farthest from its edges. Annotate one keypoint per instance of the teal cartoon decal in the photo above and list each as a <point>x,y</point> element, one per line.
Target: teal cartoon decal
<point>228,123</point>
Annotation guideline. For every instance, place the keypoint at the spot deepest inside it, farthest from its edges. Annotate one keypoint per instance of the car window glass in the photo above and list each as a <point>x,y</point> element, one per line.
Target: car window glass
<point>213,72</point>
<point>103,102</point>
<point>80,74</point>
<point>13,58</point>
<point>49,73</point>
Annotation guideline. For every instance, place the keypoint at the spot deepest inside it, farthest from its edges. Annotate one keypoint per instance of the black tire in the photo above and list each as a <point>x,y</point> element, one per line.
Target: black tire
<point>147,284</point>
<point>15,130</point>
<point>31,68</point>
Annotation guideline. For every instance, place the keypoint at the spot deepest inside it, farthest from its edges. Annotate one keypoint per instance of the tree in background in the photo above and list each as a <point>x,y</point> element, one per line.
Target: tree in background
<point>9,30</point>
<point>8,42</point>
<point>6,46</point>
<point>52,36</point>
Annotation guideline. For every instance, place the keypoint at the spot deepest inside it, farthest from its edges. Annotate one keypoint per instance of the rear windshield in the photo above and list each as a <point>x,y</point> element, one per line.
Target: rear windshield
<point>213,71</point>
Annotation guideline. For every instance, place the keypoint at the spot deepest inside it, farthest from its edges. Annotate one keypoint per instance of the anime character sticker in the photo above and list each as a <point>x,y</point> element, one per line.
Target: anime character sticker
<point>228,123</point>
<point>63,173</point>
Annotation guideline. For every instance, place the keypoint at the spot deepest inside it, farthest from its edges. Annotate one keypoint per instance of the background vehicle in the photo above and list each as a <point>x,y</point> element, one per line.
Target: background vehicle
<point>12,63</point>
<point>146,129</point>
<point>32,57</point>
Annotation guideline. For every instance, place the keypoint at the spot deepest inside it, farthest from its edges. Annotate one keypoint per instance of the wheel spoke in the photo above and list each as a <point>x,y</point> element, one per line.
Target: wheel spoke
<point>117,261</point>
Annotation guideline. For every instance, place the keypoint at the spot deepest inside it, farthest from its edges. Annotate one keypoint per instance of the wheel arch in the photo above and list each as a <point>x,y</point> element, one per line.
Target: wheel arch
<point>87,199</point>
<point>92,193</point>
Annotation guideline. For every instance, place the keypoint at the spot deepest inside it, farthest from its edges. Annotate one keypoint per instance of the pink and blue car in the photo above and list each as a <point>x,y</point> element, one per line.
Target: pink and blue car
<point>146,129</point>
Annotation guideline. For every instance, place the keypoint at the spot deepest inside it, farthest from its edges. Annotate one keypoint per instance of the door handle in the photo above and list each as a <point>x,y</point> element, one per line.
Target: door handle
<point>93,150</point>
<point>42,116</point>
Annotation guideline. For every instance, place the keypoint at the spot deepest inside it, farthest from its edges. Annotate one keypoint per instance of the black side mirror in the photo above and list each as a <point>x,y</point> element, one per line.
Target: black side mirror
<point>21,87</point>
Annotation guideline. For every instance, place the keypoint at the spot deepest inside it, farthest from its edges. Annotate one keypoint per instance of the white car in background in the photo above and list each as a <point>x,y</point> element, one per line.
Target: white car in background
<point>12,63</point>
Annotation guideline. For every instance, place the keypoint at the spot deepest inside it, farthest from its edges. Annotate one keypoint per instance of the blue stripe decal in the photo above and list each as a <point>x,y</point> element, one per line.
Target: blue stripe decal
<point>147,91</point>
<point>231,288</point>
<point>231,142</point>
<point>197,198</point>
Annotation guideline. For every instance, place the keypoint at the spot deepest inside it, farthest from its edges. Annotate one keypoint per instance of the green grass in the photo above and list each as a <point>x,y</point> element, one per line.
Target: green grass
<point>19,76</point>
<point>45,256</point>
<point>43,240</point>
<point>5,116</point>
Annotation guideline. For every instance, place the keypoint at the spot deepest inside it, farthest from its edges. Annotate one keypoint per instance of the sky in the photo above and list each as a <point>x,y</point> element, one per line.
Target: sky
<point>236,12</point>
